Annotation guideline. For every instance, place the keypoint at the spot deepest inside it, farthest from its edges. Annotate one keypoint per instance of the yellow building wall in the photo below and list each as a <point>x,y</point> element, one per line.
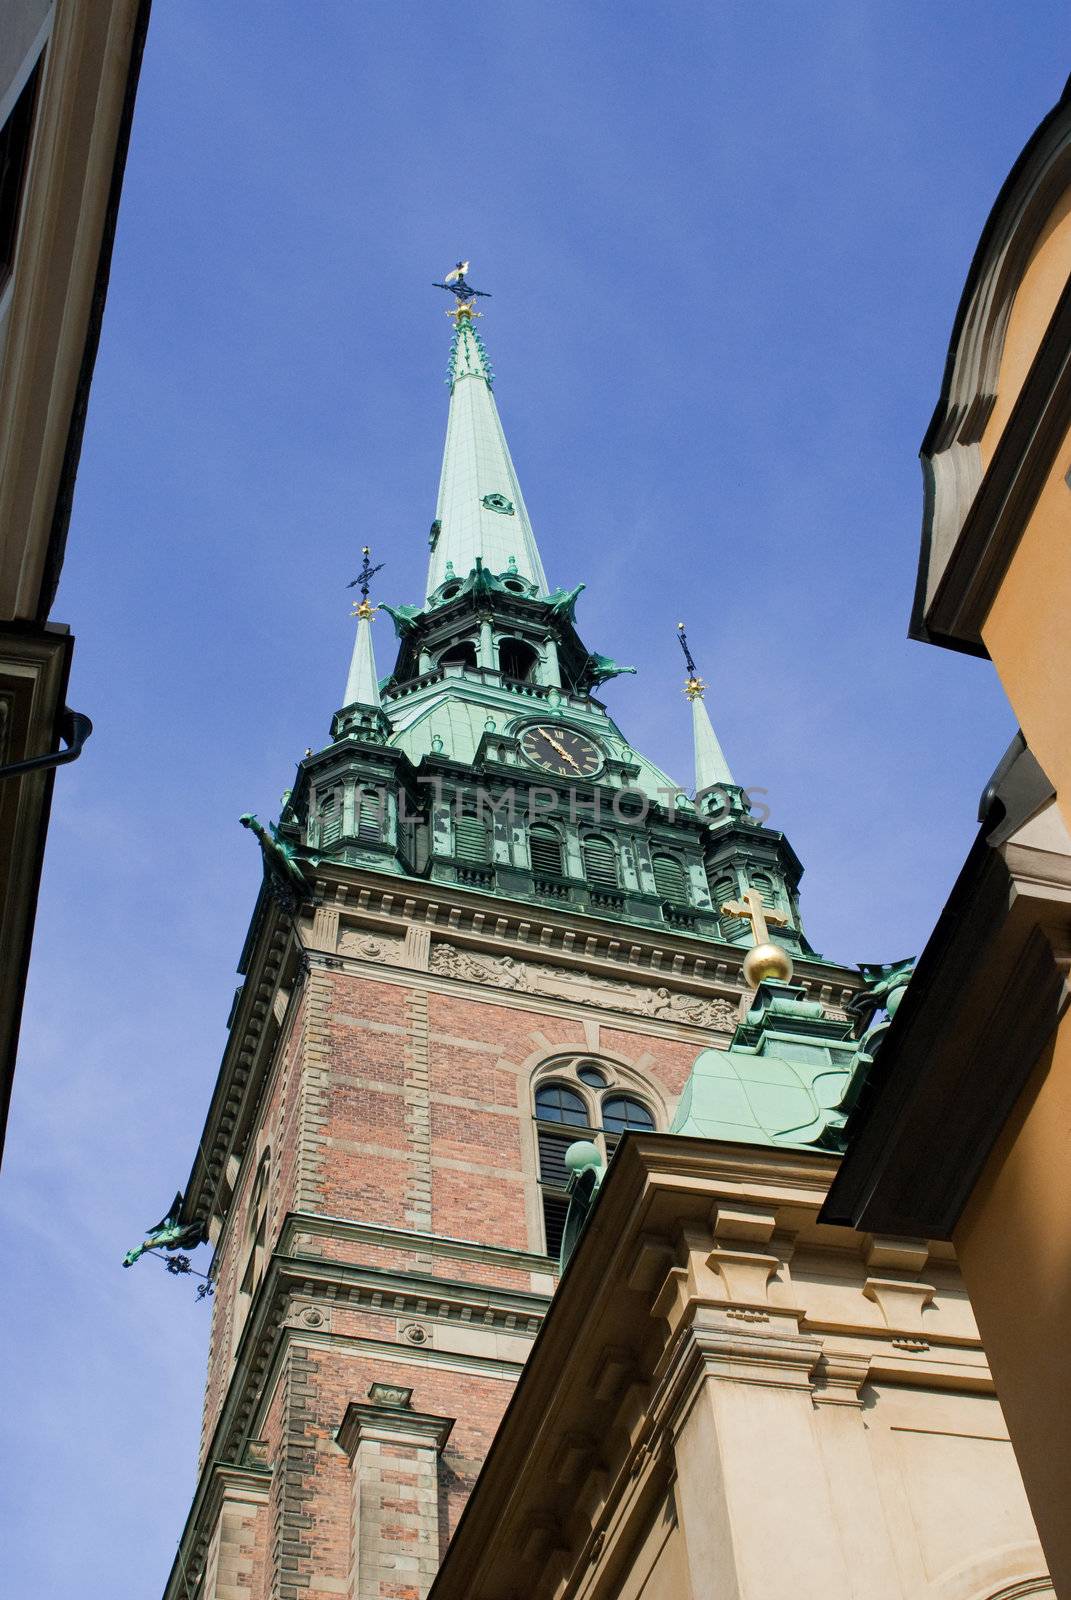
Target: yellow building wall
<point>1014,1249</point>
<point>1028,630</point>
<point>1041,286</point>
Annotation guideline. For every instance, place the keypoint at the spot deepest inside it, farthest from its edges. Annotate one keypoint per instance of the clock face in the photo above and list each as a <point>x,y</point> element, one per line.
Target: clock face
<point>561,750</point>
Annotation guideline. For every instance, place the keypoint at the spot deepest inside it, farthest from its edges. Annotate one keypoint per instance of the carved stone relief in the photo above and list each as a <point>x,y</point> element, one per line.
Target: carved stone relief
<point>373,947</point>
<point>529,977</point>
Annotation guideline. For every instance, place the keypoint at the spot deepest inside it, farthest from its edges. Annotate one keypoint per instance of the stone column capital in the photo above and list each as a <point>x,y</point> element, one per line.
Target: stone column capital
<point>397,1425</point>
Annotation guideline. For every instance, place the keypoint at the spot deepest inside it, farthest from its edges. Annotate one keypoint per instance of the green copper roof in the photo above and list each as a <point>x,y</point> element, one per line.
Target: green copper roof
<point>362,685</point>
<point>782,1081</point>
<point>480,509</point>
<point>450,717</point>
<point>711,767</point>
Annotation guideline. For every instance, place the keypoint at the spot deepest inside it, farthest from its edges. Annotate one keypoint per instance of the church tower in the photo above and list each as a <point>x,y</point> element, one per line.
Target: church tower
<point>488,927</point>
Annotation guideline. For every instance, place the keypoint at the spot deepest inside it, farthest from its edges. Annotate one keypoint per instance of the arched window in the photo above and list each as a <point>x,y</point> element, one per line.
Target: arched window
<point>600,862</point>
<point>670,879</point>
<point>472,840</point>
<point>517,659</point>
<point>545,845</point>
<point>557,1103</point>
<point>562,1117</point>
<point>463,653</point>
<point>330,818</point>
<point>370,806</point>
<point>724,890</point>
<point>767,889</point>
<point>620,1114</point>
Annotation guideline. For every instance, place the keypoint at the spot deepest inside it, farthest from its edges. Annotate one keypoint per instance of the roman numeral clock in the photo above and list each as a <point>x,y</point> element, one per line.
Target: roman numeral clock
<point>562,751</point>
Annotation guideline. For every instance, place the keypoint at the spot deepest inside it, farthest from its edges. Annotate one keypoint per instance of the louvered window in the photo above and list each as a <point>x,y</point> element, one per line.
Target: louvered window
<point>555,1211</point>
<point>670,880</point>
<point>472,840</point>
<point>600,863</point>
<point>767,889</point>
<point>546,849</point>
<point>330,820</point>
<point>722,891</point>
<point>370,816</point>
<point>561,1119</point>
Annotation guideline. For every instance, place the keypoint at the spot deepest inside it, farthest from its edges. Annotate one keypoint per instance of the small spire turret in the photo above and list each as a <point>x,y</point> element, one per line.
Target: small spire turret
<point>711,768</point>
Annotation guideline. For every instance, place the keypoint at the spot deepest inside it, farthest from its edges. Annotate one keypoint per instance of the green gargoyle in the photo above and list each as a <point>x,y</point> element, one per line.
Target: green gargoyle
<point>885,985</point>
<point>404,618</point>
<point>168,1234</point>
<point>563,602</point>
<point>279,858</point>
<point>597,669</point>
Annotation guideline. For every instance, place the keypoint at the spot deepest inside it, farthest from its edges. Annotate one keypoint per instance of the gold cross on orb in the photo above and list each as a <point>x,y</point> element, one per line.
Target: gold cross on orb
<point>764,959</point>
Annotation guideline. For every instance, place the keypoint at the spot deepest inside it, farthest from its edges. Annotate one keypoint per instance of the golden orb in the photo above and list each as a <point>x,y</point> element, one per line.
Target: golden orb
<point>767,961</point>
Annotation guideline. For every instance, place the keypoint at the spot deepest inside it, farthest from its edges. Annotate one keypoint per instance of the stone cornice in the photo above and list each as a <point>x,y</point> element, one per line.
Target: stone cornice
<point>380,1234</point>
<point>312,1278</point>
<point>247,1056</point>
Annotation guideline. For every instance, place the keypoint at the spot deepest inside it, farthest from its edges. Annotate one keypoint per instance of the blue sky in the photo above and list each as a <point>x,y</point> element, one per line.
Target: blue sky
<point>725,243</point>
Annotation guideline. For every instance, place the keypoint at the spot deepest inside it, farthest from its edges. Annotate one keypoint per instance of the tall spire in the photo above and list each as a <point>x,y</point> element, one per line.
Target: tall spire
<point>480,511</point>
<point>711,767</point>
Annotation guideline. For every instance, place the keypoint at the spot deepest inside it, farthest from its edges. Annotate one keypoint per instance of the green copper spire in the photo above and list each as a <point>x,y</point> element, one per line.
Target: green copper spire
<point>480,512</point>
<point>711,767</point>
<point>362,684</point>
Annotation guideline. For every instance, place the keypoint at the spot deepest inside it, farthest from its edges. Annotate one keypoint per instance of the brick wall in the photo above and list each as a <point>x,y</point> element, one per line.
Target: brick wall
<point>402,1107</point>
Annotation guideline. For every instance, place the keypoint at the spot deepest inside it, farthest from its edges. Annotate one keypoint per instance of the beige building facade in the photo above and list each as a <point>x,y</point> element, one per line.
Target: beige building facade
<point>729,1398</point>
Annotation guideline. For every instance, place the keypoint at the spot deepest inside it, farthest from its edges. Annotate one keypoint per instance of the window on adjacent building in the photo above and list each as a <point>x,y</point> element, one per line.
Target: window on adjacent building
<point>600,862</point>
<point>14,160</point>
<point>545,845</point>
<point>670,879</point>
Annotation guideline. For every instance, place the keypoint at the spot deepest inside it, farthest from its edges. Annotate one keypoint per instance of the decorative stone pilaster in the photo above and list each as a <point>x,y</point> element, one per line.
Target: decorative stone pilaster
<point>394,1453</point>
<point>238,1497</point>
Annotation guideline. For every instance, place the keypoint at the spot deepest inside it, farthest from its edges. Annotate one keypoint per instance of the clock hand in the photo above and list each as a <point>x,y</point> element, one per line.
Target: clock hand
<point>563,752</point>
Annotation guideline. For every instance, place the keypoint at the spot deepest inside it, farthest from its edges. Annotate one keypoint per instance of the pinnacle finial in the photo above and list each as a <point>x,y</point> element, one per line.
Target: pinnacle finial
<point>694,686</point>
